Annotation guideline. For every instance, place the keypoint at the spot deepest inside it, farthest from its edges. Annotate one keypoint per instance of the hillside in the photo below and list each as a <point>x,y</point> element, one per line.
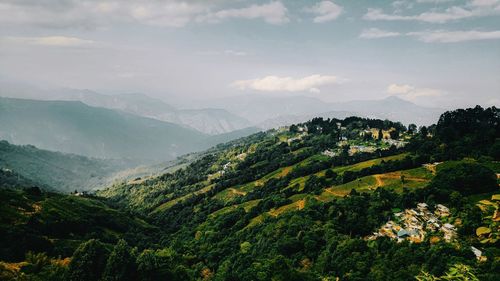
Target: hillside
<point>53,170</point>
<point>74,127</point>
<point>206,120</point>
<point>31,220</point>
<point>287,193</point>
<point>308,201</point>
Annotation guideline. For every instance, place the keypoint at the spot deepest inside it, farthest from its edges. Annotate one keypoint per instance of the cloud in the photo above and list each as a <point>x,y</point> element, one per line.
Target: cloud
<point>453,13</point>
<point>273,12</point>
<point>411,93</point>
<point>442,36</point>
<point>287,84</point>
<point>325,11</point>
<point>169,14</point>
<point>434,1</point>
<point>375,33</point>
<point>235,53</point>
<point>475,8</point>
<point>52,41</point>
<point>91,14</point>
<point>484,3</point>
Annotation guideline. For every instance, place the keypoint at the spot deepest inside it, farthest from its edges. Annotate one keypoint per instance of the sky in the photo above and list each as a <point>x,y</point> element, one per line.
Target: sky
<point>432,52</point>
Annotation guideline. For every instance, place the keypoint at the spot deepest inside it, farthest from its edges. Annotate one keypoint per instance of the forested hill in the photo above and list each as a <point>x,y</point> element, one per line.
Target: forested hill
<point>352,199</point>
<point>26,166</point>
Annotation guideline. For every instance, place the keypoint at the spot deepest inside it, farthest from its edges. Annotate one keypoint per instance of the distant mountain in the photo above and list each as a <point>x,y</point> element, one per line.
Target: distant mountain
<point>270,112</point>
<point>25,166</point>
<point>207,120</point>
<point>74,127</point>
<point>392,108</point>
<point>259,108</point>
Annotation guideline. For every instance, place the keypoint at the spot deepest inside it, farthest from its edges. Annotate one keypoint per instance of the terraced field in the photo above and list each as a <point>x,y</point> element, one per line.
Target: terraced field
<point>414,178</point>
<point>353,168</point>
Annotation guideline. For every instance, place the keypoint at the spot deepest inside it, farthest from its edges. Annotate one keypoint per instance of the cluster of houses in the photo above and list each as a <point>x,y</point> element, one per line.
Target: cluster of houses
<point>396,143</point>
<point>374,133</point>
<point>299,137</point>
<point>414,224</point>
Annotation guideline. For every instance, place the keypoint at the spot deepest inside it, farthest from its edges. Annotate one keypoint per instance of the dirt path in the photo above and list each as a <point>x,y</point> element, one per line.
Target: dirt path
<point>301,204</point>
<point>237,192</point>
<point>378,178</point>
<point>335,193</point>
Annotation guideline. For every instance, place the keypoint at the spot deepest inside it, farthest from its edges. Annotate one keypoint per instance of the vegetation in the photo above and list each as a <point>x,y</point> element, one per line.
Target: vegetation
<point>29,166</point>
<point>275,206</point>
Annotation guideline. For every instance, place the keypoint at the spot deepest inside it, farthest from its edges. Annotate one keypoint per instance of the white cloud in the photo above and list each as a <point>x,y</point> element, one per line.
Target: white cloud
<point>475,8</point>
<point>484,3</point>
<point>434,1</point>
<point>287,84</point>
<point>411,93</point>
<point>325,11</point>
<point>272,12</point>
<point>235,53</point>
<point>52,41</point>
<point>453,13</point>
<point>169,14</point>
<point>165,13</point>
<point>443,36</point>
<point>374,33</point>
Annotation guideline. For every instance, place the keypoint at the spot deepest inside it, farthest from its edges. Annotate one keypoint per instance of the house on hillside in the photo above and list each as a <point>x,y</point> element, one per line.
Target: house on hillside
<point>361,148</point>
<point>329,153</point>
<point>442,211</point>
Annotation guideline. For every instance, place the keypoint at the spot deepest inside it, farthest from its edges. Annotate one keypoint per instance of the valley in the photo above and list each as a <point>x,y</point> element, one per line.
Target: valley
<point>299,196</point>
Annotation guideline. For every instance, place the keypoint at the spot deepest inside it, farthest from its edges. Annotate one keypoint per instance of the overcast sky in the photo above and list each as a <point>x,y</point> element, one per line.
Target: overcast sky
<point>432,52</point>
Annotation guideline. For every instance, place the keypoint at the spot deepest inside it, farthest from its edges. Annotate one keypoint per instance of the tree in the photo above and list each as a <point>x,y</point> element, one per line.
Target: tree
<point>495,151</point>
<point>394,134</point>
<point>412,128</point>
<point>466,178</point>
<point>88,261</point>
<point>424,132</point>
<point>120,265</point>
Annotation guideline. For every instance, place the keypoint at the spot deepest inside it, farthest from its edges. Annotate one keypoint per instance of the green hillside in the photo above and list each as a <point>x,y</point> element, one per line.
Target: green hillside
<point>31,220</point>
<point>303,203</point>
<point>28,166</point>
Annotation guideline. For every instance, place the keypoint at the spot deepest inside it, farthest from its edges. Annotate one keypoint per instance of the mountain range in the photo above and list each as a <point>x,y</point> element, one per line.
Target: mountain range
<point>223,115</point>
<point>271,111</point>
<point>211,121</point>
<point>74,127</point>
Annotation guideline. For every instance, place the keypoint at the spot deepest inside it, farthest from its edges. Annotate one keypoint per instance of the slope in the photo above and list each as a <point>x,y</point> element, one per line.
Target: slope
<point>53,170</point>
<point>74,127</point>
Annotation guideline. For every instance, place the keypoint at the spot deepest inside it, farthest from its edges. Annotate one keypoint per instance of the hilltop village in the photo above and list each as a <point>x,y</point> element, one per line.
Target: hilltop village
<point>367,140</point>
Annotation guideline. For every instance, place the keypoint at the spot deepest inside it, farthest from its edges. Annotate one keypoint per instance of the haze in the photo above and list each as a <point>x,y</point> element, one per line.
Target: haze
<point>437,53</point>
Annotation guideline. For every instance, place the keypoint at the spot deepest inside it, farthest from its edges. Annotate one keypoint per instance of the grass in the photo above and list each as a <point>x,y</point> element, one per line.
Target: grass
<point>366,164</point>
<point>247,206</point>
<point>354,168</point>
<point>167,205</point>
<point>414,178</point>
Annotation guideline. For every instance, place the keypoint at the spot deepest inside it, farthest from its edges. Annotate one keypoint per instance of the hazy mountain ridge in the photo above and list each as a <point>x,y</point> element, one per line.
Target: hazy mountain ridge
<point>206,120</point>
<point>74,127</point>
<point>268,112</point>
